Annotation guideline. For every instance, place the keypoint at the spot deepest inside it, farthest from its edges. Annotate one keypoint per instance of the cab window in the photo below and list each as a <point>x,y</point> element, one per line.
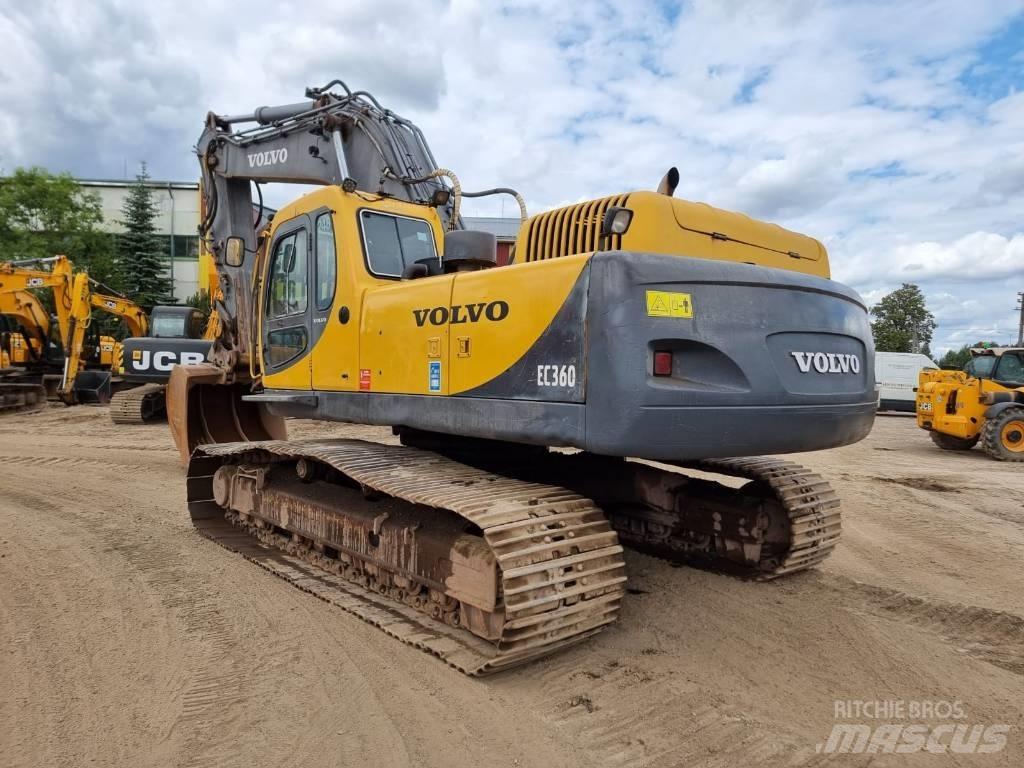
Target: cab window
<point>326,262</point>
<point>286,288</point>
<point>981,366</point>
<point>169,326</point>
<point>394,242</point>
<point>285,344</point>
<point>1010,369</point>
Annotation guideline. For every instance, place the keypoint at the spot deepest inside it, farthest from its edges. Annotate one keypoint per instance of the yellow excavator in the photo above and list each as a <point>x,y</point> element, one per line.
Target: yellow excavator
<point>27,328</point>
<point>80,375</point>
<point>27,388</point>
<point>675,334</point>
<point>79,384</point>
<point>982,403</point>
<point>29,361</point>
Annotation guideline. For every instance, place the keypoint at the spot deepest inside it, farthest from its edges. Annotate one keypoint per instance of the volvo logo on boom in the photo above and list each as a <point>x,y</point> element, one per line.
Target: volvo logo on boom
<point>826,362</point>
<point>495,311</point>
<point>270,157</point>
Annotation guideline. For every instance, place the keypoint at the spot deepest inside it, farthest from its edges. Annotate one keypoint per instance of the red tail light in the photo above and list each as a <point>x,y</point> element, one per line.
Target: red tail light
<point>662,363</point>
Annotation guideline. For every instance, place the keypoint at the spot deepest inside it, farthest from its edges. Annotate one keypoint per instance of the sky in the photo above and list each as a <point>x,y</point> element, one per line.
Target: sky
<point>893,131</point>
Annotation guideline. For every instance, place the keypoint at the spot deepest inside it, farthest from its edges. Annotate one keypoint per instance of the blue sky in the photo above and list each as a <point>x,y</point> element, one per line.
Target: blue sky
<point>892,131</point>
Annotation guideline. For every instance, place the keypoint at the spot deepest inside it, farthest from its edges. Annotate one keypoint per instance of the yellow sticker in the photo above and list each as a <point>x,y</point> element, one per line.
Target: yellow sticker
<point>667,304</point>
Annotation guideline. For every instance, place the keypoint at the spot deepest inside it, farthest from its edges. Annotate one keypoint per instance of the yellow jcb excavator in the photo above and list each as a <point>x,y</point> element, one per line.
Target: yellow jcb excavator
<point>27,388</point>
<point>635,325</point>
<point>78,375</point>
<point>29,359</point>
<point>79,384</point>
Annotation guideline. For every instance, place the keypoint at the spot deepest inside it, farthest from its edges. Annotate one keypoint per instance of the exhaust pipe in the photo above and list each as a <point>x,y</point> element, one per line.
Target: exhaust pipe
<point>669,182</point>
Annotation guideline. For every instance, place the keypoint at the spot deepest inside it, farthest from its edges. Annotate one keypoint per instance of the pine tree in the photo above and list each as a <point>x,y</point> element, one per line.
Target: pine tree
<point>141,262</point>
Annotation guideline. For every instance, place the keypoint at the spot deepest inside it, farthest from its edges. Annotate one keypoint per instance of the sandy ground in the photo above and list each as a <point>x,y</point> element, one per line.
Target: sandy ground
<point>127,639</point>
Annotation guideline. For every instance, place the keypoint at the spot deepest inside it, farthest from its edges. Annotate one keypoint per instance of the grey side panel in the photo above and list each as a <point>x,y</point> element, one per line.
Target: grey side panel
<point>562,344</point>
<point>537,423</point>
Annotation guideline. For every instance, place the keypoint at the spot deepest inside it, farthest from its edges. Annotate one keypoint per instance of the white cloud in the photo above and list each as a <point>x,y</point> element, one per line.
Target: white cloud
<point>846,120</point>
<point>977,256</point>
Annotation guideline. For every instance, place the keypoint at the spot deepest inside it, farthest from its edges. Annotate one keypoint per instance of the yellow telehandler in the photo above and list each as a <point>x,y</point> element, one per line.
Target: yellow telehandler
<point>984,403</point>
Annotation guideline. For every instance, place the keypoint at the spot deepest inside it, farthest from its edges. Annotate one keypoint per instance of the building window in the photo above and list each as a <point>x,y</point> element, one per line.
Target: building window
<point>184,247</point>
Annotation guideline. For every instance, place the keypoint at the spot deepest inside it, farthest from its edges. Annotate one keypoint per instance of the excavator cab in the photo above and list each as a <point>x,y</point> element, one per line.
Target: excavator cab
<point>176,323</point>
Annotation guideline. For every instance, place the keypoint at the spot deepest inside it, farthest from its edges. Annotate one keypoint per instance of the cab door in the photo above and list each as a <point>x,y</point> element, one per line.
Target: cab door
<point>336,299</point>
<point>287,326</point>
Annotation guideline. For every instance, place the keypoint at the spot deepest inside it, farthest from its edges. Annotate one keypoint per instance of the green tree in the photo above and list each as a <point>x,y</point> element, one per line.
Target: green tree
<point>902,321</point>
<point>142,266</point>
<point>42,215</point>
<point>957,358</point>
<point>201,301</point>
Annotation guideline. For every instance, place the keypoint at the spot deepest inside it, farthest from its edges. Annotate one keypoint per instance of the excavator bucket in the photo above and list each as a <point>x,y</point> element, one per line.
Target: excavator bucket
<point>203,409</point>
<point>92,388</point>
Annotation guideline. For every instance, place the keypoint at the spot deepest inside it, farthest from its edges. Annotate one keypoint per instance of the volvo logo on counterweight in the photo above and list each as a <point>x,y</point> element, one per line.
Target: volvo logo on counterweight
<point>826,362</point>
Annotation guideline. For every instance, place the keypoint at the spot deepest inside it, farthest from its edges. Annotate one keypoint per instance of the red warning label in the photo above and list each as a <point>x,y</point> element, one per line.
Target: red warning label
<point>365,380</point>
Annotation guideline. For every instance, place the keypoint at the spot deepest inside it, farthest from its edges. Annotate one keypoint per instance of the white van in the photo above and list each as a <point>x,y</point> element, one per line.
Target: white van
<point>896,377</point>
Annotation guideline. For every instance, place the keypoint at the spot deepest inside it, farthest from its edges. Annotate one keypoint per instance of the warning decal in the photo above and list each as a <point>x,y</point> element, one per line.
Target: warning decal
<point>365,379</point>
<point>668,304</point>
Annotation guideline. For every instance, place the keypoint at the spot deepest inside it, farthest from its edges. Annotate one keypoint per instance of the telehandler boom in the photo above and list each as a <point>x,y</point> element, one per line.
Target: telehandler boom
<point>635,325</point>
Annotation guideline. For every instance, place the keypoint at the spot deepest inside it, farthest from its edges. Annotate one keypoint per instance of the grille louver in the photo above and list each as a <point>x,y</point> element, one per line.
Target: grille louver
<point>570,230</point>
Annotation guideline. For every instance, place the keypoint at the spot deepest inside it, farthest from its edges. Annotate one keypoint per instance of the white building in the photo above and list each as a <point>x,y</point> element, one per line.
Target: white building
<point>177,204</point>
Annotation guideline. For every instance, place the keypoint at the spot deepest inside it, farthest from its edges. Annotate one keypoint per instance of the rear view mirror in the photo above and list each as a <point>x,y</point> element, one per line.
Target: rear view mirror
<point>235,255</point>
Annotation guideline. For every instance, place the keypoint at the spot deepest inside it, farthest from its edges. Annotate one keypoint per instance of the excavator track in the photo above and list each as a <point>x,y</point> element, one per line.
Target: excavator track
<point>21,398</point>
<point>560,575</point>
<point>784,520</point>
<point>811,507</point>
<point>138,404</point>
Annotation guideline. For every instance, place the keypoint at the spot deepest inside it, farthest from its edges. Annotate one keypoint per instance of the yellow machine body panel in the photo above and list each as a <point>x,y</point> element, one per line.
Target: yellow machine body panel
<point>497,315</point>
<point>18,352</point>
<point>700,231</point>
<point>935,392</point>
<point>394,348</point>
